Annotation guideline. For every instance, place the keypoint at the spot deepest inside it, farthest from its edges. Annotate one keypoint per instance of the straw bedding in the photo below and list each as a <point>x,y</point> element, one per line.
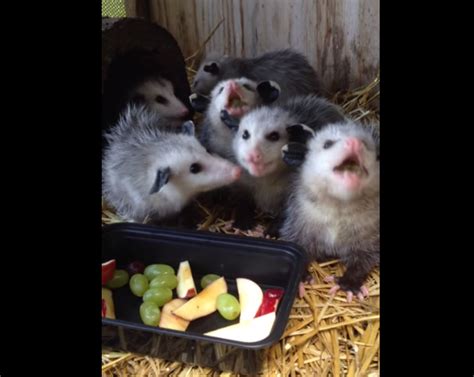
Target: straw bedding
<point>325,336</point>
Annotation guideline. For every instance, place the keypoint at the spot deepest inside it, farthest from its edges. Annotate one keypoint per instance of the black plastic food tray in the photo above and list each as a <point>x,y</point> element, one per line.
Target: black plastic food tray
<point>268,263</point>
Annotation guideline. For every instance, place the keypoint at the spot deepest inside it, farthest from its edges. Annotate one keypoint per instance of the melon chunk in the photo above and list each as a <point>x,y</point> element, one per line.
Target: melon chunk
<point>170,321</point>
<point>204,303</point>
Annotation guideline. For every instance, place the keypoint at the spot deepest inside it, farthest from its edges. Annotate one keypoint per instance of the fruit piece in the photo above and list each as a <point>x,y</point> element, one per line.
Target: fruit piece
<point>204,303</point>
<point>153,270</point>
<point>208,279</point>
<point>169,281</point>
<point>250,298</point>
<point>108,310</point>
<point>136,267</point>
<point>270,301</point>
<point>150,313</point>
<point>159,296</point>
<point>108,269</point>
<point>228,306</point>
<point>119,279</point>
<point>169,320</point>
<point>186,287</point>
<point>249,331</point>
<point>138,284</point>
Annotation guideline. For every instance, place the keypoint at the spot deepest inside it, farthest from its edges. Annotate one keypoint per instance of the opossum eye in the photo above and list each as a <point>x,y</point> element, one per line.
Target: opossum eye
<point>220,90</point>
<point>248,87</point>
<point>328,144</point>
<point>245,135</point>
<point>195,168</point>
<point>274,136</point>
<point>161,99</point>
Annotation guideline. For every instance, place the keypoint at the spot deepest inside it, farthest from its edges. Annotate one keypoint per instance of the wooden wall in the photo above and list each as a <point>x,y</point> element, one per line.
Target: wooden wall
<point>339,37</point>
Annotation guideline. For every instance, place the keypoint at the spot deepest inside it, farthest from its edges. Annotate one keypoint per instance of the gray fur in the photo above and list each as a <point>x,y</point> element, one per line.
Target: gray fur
<point>138,150</point>
<point>270,186</point>
<point>289,68</point>
<point>329,222</point>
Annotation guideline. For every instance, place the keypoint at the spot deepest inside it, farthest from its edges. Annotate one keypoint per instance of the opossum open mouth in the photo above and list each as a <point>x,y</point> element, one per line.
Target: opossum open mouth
<point>236,106</point>
<point>351,164</point>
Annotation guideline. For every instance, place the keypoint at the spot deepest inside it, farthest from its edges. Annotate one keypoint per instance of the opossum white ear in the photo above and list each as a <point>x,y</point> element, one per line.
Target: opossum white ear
<point>188,128</point>
<point>299,133</point>
<point>293,154</point>
<point>162,178</point>
<point>199,102</point>
<point>232,123</point>
<point>269,91</point>
<point>211,68</point>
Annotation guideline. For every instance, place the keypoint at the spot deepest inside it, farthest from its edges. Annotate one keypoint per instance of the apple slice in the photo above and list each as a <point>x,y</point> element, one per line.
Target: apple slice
<point>108,310</point>
<point>204,303</point>
<point>247,331</point>
<point>250,298</point>
<point>170,321</point>
<point>270,301</point>
<point>108,269</point>
<point>186,287</point>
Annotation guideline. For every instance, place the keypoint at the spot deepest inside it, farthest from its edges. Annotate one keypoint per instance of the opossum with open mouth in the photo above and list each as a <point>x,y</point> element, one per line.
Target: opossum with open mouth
<point>261,135</point>
<point>154,174</point>
<point>333,208</point>
<point>230,100</point>
<point>289,68</point>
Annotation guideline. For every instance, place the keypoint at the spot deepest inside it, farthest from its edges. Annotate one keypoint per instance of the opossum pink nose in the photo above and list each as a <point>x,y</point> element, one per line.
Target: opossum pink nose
<point>184,112</point>
<point>255,156</point>
<point>233,86</point>
<point>236,172</point>
<point>353,144</point>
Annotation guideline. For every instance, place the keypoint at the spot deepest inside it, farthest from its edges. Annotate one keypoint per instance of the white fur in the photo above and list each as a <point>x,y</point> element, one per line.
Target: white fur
<point>221,140</point>
<point>150,89</point>
<point>317,171</point>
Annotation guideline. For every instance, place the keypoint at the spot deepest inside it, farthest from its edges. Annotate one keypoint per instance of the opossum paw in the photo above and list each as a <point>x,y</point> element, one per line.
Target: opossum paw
<point>301,290</point>
<point>361,292</point>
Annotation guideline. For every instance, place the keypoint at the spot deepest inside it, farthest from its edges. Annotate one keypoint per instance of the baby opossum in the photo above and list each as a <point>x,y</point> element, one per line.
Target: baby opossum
<point>150,173</point>
<point>290,69</point>
<point>232,99</point>
<point>333,208</point>
<point>260,137</point>
<point>137,78</point>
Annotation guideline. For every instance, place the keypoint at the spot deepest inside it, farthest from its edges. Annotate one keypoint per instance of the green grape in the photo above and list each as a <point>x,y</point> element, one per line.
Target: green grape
<point>119,279</point>
<point>208,279</point>
<point>153,270</point>
<point>167,280</point>
<point>138,284</point>
<point>159,296</point>
<point>150,313</point>
<point>228,306</point>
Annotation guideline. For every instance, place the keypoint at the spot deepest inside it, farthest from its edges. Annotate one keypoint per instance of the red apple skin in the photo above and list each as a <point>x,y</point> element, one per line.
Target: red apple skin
<point>191,293</point>
<point>108,269</point>
<point>104,308</point>
<point>271,298</point>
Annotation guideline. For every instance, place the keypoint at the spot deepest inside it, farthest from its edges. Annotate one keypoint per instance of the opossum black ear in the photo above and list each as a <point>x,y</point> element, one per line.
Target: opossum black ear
<point>199,102</point>
<point>162,178</point>
<point>211,68</point>
<point>269,91</point>
<point>232,123</point>
<point>188,128</point>
<point>299,133</point>
<point>293,154</point>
